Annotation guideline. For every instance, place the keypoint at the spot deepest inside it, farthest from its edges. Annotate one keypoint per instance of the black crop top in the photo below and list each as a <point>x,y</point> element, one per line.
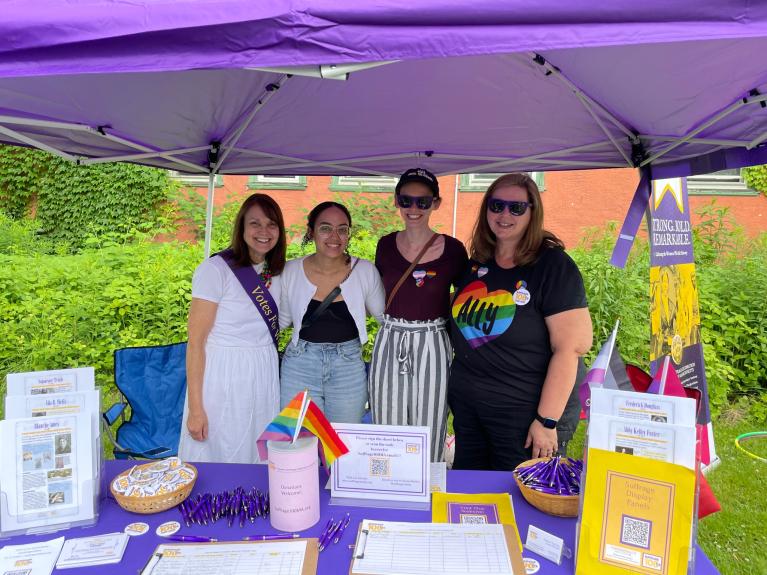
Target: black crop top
<point>335,325</point>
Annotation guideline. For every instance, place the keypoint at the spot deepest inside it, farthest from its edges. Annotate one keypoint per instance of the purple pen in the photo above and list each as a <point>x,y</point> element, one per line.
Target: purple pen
<point>325,540</point>
<point>340,532</point>
<point>271,537</point>
<point>324,532</point>
<point>191,538</point>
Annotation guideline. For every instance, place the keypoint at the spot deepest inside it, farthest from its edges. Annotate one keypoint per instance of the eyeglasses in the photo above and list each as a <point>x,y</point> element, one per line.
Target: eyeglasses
<point>343,231</point>
<point>515,208</point>
<point>421,202</point>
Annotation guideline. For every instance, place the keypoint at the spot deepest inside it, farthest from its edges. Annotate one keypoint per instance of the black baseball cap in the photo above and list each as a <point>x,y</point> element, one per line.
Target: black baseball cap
<point>422,176</point>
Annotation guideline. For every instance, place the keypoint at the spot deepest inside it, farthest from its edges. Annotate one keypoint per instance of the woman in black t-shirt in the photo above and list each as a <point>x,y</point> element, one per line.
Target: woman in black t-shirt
<point>412,352</point>
<point>519,323</point>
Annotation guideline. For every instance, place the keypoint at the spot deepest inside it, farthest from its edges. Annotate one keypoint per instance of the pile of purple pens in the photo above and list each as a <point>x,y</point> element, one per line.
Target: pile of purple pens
<point>333,532</point>
<point>557,476</point>
<point>233,506</point>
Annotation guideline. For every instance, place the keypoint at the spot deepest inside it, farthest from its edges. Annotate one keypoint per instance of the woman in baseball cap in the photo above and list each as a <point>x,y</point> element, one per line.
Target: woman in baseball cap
<point>412,351</point>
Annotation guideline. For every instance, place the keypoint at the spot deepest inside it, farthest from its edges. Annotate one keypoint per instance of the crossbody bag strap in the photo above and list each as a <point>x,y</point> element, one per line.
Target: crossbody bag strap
<point>257,291</point>
<point>327,301</point>
<point>409,270</point>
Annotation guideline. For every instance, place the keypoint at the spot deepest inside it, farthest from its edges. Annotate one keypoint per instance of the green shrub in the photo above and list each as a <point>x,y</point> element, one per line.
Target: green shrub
<point>732,275</point>
<point>75,310</point>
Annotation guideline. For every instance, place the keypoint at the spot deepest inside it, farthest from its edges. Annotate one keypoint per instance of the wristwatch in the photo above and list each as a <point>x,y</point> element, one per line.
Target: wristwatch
<point>546,422</point>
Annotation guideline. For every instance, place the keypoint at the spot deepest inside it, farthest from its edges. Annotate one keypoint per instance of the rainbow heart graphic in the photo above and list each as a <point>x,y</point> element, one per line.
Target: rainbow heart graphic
<point>482,316</point>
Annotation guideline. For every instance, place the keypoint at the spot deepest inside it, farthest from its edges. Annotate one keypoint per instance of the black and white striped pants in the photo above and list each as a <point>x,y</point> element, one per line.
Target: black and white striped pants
<point>408,377</point>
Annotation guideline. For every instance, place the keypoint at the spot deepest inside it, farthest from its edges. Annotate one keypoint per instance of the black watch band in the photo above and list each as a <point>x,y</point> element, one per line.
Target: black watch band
<point>547,422</point>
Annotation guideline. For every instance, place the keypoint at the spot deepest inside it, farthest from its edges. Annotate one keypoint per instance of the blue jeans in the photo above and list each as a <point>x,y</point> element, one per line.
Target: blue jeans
<point>334,374</point>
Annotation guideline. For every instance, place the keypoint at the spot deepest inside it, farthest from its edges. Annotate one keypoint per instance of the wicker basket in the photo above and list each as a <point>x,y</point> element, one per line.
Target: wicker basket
<point>559,505</point>
<point>153,503</point>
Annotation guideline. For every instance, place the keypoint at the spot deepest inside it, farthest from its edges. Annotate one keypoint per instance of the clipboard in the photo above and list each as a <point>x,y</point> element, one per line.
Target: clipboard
<point>311,554</point>
<point>510,534</point>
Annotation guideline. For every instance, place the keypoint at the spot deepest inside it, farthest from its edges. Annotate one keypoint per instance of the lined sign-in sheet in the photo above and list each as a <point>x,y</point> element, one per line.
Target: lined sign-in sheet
<point>395,548</point>
<point>264,558</point>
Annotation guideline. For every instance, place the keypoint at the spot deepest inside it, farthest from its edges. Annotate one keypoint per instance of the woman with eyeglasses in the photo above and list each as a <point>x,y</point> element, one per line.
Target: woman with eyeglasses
<point>412,352</point>
<point>519,323</point>
<point>326,297</point>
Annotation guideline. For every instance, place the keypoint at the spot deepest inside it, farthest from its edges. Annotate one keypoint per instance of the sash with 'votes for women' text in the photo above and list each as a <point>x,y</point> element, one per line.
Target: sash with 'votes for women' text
<point>257,291</point>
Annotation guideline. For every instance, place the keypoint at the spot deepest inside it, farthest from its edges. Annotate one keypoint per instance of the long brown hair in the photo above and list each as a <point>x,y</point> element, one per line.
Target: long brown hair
<point>275,258</point>
<point>483,240</point>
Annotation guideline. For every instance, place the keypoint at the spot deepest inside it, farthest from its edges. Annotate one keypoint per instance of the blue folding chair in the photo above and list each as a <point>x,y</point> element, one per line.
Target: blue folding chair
<point>152,380</point>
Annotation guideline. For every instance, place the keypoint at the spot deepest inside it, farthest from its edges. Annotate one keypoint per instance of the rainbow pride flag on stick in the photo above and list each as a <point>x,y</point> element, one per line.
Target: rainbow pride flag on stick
<point>284,427</point>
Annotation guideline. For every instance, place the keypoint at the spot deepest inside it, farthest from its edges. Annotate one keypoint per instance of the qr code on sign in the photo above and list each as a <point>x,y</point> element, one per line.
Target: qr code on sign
<point>379,467</point>
<point>636,532</point>
<point>473,519</point>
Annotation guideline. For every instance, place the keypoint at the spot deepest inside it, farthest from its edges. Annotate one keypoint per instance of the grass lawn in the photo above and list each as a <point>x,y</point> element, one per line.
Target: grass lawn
<point>735,539</point>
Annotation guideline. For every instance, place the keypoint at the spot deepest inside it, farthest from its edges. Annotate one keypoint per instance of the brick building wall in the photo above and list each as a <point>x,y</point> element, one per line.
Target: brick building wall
<point>573,201</point>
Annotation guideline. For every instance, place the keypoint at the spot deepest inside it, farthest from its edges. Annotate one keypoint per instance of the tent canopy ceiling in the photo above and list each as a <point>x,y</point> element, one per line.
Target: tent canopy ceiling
<point>459,87</point>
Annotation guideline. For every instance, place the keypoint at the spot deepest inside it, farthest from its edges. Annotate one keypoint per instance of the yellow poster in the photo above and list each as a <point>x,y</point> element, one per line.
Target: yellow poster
<point>633,522</point>
<point>674,312</point>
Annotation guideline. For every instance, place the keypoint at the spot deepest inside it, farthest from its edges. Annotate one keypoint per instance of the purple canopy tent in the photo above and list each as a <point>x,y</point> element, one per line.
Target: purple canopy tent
<point>240,87</point>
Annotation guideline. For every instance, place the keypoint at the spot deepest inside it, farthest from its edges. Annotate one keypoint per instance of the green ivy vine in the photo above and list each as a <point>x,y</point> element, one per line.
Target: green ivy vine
<point>756,178</point>
<point>72,203</point>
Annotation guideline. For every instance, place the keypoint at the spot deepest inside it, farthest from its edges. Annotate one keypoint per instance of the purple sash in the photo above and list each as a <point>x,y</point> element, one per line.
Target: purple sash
<point>257,291</point>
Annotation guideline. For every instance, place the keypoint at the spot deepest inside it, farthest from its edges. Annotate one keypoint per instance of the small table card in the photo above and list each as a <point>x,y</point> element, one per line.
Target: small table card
<point>546,545</point>
<point>387,466</point>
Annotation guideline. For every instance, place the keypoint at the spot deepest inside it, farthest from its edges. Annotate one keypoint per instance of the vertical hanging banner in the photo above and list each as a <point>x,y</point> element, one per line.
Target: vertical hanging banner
<point>674,312</point>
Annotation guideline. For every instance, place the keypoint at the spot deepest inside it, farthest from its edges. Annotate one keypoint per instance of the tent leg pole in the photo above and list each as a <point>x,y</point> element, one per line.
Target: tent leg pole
<point>209,213</point>
<point>455,204</point>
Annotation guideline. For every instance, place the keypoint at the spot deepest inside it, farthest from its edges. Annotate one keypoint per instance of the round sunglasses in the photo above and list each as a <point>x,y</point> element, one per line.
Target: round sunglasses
<point>516,208</point>
<point>421,202</point>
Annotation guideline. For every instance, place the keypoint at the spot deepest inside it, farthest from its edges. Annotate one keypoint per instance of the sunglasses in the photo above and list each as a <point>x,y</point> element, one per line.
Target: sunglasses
<point>421,202</point>
<point>343,231</point>
<point>515,208</point>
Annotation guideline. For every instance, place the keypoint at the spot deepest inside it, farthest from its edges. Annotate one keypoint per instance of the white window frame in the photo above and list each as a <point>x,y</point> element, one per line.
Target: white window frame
<point>194,180</point>
<point>722,183</point>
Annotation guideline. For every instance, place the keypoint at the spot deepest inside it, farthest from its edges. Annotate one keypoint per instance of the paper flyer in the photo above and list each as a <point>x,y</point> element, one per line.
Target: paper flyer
<point>30,558</point>
<point>94,550</point>
<point>646,439</point>
<point>635,406</point>
<point>631,519</point>
<point>51,381</point>
<point>46,471</point>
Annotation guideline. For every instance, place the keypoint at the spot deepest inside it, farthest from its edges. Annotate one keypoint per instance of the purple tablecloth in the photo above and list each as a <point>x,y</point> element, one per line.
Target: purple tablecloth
<point>335,559</point>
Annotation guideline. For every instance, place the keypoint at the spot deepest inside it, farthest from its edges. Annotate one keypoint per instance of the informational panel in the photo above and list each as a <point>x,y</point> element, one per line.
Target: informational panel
<point>674,312</point>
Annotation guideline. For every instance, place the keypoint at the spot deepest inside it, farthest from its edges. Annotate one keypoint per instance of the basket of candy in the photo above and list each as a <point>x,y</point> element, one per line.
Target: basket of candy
<point>551,484</point>
<point>154,487</point>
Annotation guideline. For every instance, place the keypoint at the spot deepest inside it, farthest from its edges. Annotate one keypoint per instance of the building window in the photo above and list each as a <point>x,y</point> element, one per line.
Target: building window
<point>724,183</point>
<point>195,180</point>
<point>480,182</point>
<point>277,182</point>
<point>363,183</point>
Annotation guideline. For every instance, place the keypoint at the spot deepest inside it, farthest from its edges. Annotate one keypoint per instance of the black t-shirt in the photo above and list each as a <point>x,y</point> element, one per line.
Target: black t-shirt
<point>426,294</point>
<point>498,328</point>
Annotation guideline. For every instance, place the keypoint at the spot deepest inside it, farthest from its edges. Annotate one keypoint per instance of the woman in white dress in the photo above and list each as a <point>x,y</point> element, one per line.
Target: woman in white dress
<point>233,380</point>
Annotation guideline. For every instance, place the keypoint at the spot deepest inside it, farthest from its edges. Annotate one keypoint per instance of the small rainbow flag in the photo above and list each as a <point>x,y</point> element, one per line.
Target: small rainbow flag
<point>283,427</point>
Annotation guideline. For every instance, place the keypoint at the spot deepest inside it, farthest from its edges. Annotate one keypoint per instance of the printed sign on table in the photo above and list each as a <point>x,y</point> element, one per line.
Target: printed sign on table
<point>385,463</point>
